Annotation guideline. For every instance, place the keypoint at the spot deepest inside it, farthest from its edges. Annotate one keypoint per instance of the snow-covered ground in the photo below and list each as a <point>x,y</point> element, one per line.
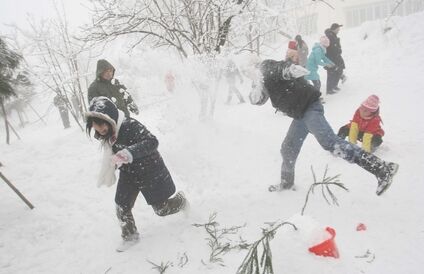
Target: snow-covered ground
<point>225,166</point>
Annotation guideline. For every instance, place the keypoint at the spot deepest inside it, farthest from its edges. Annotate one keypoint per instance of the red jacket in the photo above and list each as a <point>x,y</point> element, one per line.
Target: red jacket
<point>371,125</point>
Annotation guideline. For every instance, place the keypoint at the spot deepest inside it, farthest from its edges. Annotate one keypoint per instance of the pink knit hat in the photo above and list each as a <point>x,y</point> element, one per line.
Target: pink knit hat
<point>371,103</point>
<point>324,41</point>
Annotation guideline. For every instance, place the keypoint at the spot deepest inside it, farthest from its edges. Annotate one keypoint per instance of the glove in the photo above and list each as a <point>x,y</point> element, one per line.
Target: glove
<point>122,157</point>
<point>353,132</point>
<point>367,142</point>
<point>294,71</point>
<point>259,94</point>
<point>297,71</point>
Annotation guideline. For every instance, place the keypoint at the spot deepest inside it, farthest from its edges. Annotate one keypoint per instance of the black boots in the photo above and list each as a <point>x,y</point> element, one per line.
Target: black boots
<point>171,206</point>
<point>130,235</point>
<point>384,171</point>
<point>127,223</point>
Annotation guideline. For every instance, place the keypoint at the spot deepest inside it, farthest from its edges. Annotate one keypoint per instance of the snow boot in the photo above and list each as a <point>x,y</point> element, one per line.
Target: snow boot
<point>384,171</point>
<point>127,223</point>
<point>172,205</point>
<point>130,235</point>
<point>287,182</point>
<point>128,241</point>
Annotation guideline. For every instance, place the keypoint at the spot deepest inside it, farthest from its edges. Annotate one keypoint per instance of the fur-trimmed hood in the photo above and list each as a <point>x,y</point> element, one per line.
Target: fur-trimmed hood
<point>103,108</point>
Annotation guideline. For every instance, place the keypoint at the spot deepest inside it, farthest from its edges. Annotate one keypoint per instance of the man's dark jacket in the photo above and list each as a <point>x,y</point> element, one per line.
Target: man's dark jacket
<point>334,50</point>
<point>291,96</point>
<point>114,91</point>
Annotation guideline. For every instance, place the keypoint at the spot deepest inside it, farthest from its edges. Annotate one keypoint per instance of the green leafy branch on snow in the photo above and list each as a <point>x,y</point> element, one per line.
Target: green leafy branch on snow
<point>326,191</point>
<point>218,239</point>
<point>255,264</point>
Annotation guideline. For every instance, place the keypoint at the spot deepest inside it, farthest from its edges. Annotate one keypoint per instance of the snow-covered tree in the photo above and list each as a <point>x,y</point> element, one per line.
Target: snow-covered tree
<point>9,61</point>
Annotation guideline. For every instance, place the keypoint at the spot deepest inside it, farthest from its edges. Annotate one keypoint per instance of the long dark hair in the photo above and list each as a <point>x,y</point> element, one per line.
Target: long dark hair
<point>99,121</point>
<point>299,40</point>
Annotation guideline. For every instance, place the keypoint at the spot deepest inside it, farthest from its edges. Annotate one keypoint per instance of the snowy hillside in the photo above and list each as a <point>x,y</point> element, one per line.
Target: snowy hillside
<point>225,165</point>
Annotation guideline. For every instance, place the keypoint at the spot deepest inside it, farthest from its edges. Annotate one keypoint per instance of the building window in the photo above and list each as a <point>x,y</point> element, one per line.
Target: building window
<point>308,24</point>
<point>356,15</point>
<point>377,12</point>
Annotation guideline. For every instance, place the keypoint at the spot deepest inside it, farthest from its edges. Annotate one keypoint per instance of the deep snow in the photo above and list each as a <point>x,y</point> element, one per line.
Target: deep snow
<point>225,165</point>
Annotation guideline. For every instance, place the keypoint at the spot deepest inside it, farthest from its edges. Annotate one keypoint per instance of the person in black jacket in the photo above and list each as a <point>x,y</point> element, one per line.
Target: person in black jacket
<point>106,85</point>
<point>290,93</point>
<point>60,102</point>
<point>334,53</point>
<point>142,169</point>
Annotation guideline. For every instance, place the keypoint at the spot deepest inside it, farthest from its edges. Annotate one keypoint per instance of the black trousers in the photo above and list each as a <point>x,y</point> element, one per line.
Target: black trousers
<point>376,140</point>
<point>125,197</point>
<point>317,84</point>
<point>64,116</point>
<point>333,78</point>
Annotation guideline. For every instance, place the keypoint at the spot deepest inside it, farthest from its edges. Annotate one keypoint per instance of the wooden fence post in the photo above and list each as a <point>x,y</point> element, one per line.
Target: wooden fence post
<point>16,191</point>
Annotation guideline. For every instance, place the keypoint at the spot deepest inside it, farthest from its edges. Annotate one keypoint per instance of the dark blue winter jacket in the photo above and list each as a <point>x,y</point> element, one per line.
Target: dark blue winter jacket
<point>148,169</point>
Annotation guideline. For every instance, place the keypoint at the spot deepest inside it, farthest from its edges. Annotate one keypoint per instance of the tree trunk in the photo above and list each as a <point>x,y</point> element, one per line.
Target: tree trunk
<point>6,124</point>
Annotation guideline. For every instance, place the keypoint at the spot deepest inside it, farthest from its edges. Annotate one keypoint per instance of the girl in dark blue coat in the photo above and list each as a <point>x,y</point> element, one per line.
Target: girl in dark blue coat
<point>134,152</point>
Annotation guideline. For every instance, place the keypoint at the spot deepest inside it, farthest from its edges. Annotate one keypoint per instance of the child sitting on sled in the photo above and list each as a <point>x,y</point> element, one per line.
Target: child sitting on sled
<point>365,125</point>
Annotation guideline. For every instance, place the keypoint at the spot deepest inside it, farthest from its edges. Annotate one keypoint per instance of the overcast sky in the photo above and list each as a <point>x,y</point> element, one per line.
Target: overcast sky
<point>17,11</point>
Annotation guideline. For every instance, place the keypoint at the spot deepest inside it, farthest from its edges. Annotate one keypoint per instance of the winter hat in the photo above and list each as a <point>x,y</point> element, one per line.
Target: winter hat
<point>103,108</point>
<point>335,26</point>
<point>324,41</point>
<point>103,65</point>
<point>293,45</point>
<point>371,103</point>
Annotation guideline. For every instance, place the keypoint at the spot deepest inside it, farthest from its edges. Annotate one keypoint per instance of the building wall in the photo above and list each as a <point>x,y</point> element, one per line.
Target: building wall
<point>315,17</point>
<point>357,14</point>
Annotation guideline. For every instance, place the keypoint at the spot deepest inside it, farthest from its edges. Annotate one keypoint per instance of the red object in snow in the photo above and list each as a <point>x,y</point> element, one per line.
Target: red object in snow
<point>361,227</point>
<point>170,81</point>
<point>327,248</point>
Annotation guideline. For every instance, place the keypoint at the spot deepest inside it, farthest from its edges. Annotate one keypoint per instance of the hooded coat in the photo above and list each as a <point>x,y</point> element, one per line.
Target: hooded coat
<point>292,96</point>
<point>334,50</point>
<point>315,59</point>
<point>111,89</point>
<point>147,170</point>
